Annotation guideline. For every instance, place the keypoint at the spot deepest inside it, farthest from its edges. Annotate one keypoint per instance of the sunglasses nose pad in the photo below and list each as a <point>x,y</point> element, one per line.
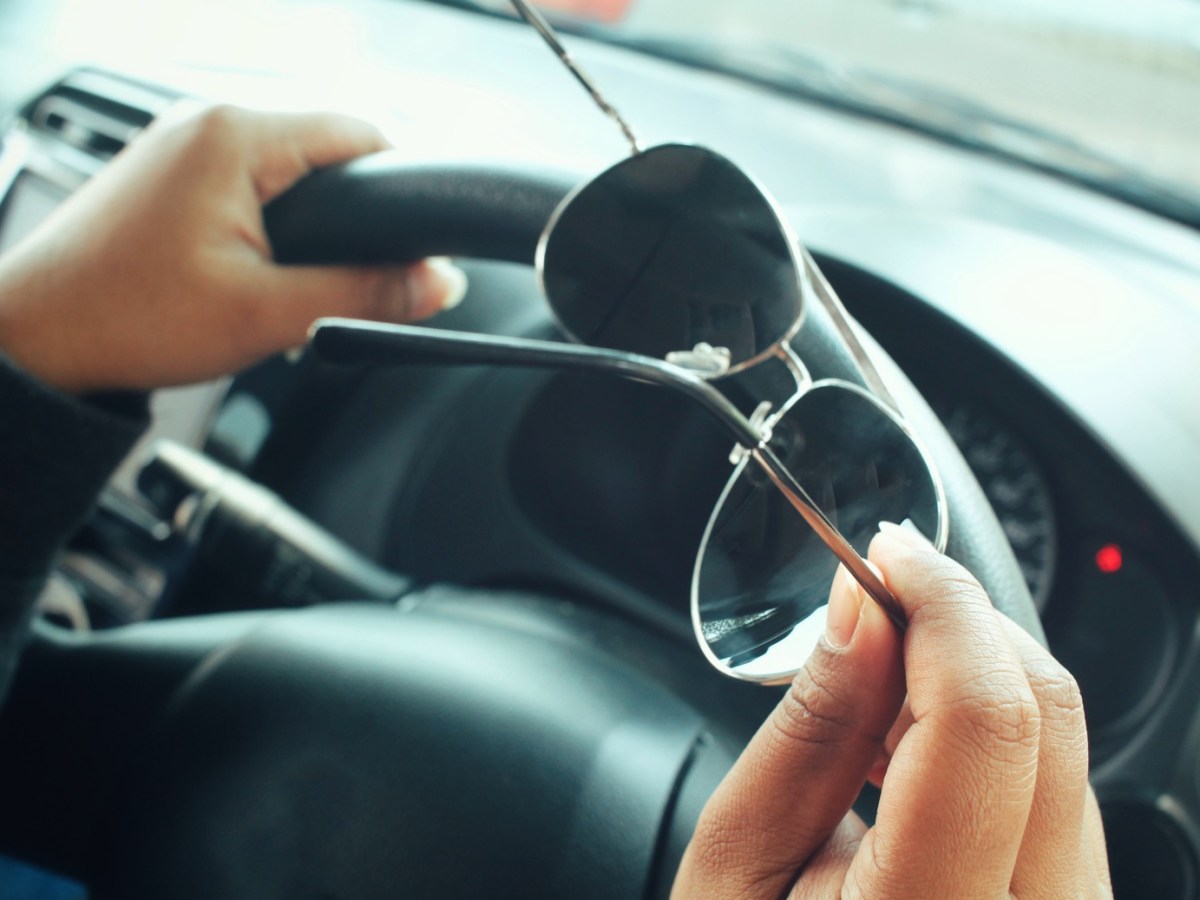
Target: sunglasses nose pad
<point>669,249</point>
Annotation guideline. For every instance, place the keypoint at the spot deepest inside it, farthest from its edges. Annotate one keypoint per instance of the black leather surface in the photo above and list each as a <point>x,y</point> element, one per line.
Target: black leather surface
<point>463,746</point>
<point>79,711</point>
<point>976,539</point>
<point>384,209</point>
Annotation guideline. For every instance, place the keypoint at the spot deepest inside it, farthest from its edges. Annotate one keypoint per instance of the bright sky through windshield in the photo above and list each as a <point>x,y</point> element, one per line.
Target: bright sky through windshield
<point>1121,77</point>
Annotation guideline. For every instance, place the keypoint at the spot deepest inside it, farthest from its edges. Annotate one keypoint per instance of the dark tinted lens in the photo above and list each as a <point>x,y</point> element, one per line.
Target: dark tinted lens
<point>762,577</point>
<point>669,248</point>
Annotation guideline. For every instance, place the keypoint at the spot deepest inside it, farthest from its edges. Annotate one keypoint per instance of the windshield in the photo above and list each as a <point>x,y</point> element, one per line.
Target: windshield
<point>1105,91</point>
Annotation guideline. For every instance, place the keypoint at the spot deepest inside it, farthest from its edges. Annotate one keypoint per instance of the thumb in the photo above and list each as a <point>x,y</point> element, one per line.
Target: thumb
<point>797,778</point>
<point>298,295</point>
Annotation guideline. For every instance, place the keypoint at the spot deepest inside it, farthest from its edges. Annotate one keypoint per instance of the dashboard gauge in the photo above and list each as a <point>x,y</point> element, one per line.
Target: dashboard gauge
<point>1015,487</point>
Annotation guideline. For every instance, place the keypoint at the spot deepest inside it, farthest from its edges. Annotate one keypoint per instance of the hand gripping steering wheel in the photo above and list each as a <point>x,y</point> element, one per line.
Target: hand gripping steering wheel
<point>463,743</point>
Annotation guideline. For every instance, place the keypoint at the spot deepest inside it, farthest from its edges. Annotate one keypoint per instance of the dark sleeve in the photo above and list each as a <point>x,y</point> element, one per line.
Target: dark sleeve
<point>56,452</point>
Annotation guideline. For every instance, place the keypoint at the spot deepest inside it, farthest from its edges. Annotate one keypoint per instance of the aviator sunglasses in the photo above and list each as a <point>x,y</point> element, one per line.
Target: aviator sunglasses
<point>675,268</point>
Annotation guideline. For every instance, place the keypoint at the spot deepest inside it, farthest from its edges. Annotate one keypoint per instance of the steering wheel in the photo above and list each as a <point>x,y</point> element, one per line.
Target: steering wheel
<point>462,743</point>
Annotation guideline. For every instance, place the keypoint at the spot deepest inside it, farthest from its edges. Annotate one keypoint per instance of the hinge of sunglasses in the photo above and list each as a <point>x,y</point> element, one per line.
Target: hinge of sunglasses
<point>760,422</point>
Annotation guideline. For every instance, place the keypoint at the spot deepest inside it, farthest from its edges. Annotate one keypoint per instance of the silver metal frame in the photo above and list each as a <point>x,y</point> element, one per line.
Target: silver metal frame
<point>356,342</point>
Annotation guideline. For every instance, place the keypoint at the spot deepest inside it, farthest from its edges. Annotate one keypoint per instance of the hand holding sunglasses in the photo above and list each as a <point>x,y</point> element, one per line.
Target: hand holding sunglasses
<point>674,267</point>
<point>982,766</point>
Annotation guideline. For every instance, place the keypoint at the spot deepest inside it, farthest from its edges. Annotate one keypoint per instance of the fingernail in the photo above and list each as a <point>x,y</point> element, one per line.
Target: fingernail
<point>906,533</point>
<point>454,279</point>
<point>435,286</point>
<point>845,606</point>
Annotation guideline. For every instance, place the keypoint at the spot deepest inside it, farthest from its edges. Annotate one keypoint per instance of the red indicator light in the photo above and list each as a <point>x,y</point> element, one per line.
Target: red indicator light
<point>1109,559</point>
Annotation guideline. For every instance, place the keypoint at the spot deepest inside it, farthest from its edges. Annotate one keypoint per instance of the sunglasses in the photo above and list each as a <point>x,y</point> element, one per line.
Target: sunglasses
<point>675,268</point>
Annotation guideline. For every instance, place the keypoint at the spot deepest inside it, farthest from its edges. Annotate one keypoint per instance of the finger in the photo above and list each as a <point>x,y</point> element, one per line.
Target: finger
<point>1093,826</point>
<point>275,149</point>
<point>825,873</point>
<point>799,775</point>
<point>960,784</point>
<point>289,146</point>
<point>1051,861</point>
<point>290,298</point>
<point>895,734</point>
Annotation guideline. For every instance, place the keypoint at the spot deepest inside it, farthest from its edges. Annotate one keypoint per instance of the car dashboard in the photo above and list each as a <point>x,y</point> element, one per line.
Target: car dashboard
<point>1054,330</point>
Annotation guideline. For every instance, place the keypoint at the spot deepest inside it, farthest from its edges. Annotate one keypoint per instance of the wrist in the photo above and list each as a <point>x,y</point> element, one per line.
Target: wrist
<point>26,339</point>
<point>56,451</point>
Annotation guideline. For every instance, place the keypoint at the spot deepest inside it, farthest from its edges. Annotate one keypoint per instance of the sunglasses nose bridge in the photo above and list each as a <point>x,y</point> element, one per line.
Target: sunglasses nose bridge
<point>794,365</point>
<point>772,383</point>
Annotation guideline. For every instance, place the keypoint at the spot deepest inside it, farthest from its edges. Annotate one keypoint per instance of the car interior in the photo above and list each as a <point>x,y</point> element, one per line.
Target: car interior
<point>366,631</point>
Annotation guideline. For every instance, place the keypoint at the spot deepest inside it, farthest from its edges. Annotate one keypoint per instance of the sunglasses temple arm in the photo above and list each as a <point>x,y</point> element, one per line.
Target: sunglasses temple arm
<point>543,28</point>
<point>828,533</point>
<point>354,342</point>
<point>841,321</point>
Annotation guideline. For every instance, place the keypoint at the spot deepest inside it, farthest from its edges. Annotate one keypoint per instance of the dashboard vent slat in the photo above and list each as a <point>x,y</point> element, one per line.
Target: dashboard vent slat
<point>94,113</point>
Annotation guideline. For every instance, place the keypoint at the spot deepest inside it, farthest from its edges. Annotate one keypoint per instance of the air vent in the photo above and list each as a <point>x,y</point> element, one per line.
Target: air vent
<point>96,112</point>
